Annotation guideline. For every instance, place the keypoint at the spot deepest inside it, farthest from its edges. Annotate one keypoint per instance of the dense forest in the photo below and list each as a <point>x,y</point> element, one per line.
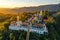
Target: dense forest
<point>52,23</point>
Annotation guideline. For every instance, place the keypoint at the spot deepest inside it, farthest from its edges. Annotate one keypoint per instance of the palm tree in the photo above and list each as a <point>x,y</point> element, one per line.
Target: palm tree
<point>28,32</point>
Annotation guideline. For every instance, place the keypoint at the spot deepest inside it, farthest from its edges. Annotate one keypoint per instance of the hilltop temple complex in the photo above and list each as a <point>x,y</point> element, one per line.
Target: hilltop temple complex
<point>37,26</point>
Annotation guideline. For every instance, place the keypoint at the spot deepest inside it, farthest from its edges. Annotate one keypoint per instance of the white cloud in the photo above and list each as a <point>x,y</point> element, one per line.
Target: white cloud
<point>22,3</point>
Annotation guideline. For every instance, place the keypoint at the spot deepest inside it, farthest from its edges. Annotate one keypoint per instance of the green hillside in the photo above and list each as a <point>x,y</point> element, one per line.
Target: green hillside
<point>52,23</point>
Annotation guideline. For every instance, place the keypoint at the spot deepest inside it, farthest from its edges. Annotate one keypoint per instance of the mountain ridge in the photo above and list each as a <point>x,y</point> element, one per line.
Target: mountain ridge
<point>51,7</point>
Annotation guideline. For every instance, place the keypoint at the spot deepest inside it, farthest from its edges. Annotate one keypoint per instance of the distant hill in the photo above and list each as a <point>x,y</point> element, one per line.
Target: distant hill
<point>51,7</point>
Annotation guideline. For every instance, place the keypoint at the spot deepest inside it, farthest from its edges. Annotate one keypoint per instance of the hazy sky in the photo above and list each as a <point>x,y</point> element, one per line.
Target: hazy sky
<point>25,3</point>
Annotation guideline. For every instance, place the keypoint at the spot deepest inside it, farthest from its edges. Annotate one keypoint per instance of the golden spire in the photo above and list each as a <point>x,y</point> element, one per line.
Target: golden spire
<point>18,17</point>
